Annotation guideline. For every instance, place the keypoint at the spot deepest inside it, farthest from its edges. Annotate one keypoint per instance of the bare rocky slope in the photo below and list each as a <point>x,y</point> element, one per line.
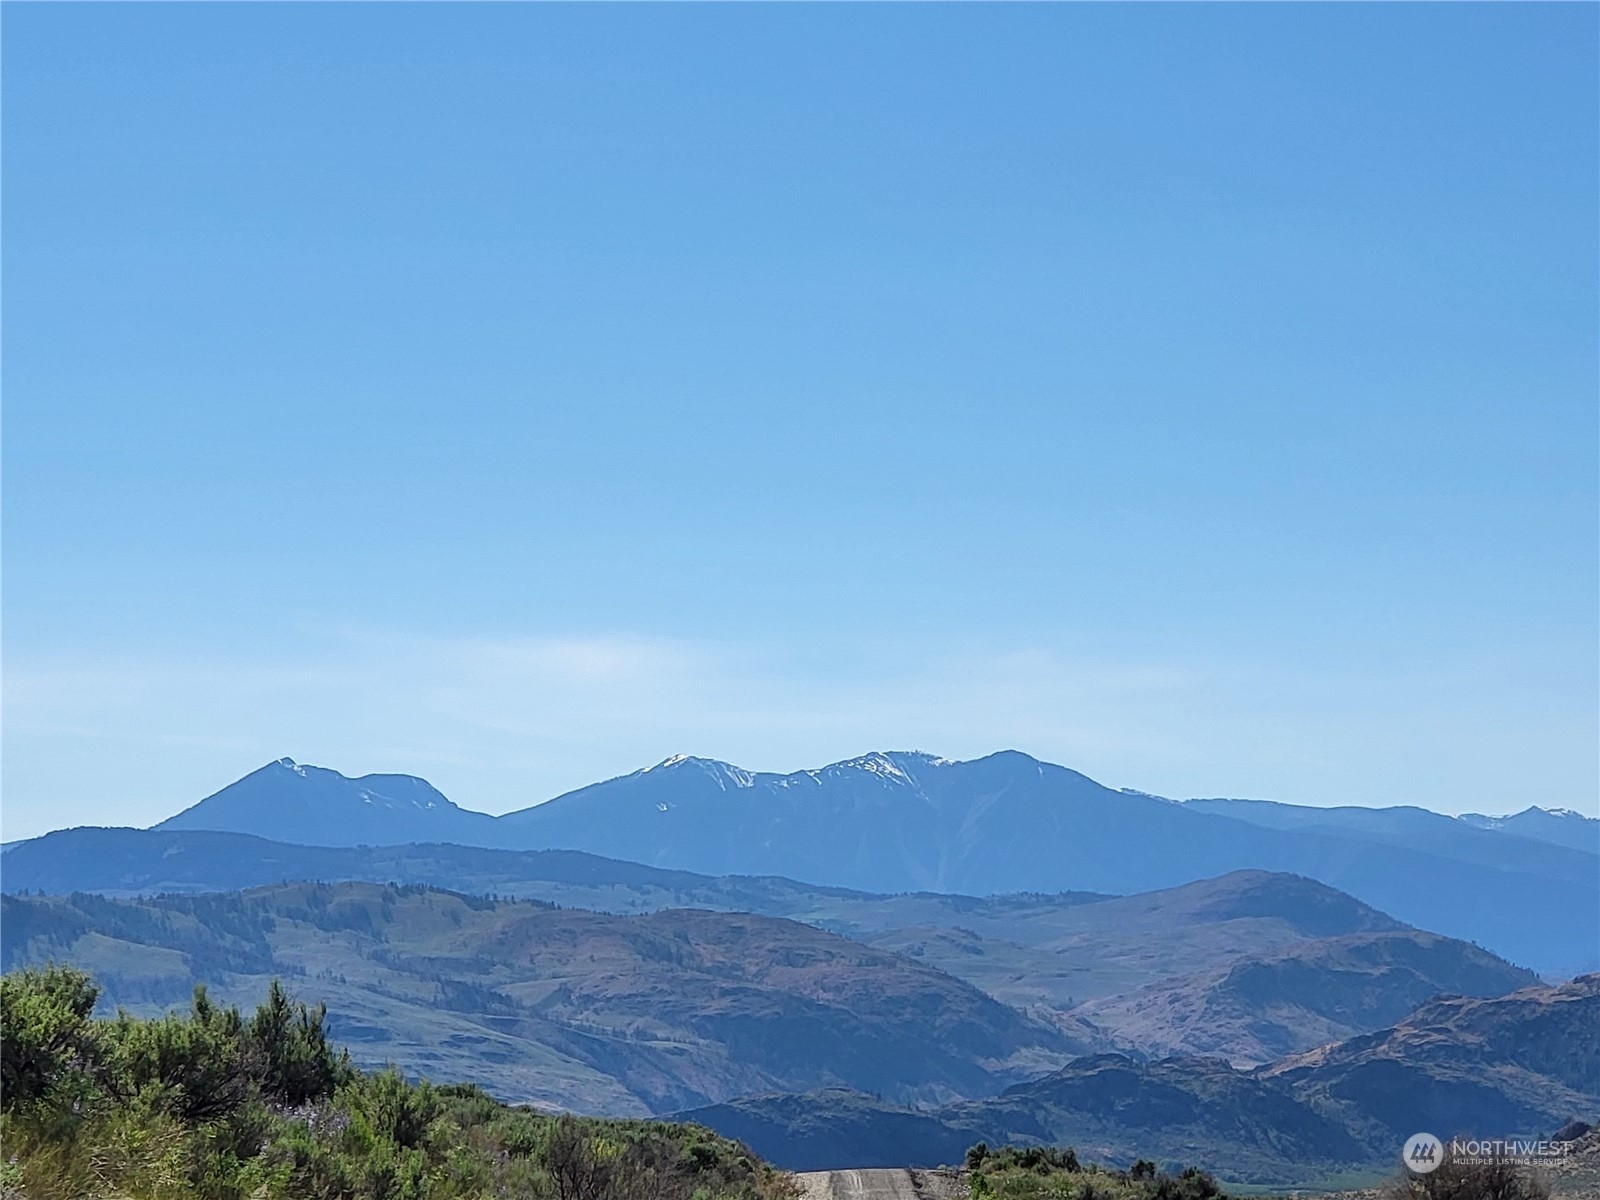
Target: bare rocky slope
<point>1525,1064</point>
<point>1521,1063</point>
<point>1312,992</point>
<point>590,1011</point>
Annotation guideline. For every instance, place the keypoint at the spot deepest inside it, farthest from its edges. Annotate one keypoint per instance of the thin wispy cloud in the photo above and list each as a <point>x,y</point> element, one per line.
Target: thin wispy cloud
<point>503,722</point>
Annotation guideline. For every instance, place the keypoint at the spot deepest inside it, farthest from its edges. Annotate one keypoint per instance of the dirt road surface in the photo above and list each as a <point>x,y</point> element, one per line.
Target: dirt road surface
<point>880,1185</point>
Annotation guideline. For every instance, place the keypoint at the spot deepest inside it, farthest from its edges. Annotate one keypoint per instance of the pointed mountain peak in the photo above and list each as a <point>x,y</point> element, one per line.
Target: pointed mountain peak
<point>1019,759</point>
<point>298,803</point>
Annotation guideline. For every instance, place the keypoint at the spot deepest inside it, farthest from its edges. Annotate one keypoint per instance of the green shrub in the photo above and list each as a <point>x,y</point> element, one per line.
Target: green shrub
<point>1050,1173</point>
<point>190,1067</point>
<point>48,1037</point>
<point>204,1105</point>
<point>1496,1179</point>
<point>295,1062</point>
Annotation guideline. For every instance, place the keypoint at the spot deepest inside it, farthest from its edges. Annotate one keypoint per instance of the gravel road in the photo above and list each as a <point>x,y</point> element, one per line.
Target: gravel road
<point>881,1185</point>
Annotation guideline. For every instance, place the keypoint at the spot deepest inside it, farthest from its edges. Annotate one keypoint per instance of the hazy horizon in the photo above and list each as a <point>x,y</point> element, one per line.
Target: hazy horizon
<point>468,805</point>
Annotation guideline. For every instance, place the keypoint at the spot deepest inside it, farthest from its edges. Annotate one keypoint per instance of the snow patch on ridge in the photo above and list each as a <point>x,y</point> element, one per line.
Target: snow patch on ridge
<point>1485,821</point>
<point>876,763</point>
<point>726,774</point>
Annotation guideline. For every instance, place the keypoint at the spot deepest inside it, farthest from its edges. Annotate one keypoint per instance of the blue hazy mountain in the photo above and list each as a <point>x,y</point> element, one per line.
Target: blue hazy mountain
<point>1004,823</point>
<point>1007,822</point>
<point>313,806</point>
<point>1010,823</point>
<point>1559,826</point>
<point>1407,824</point>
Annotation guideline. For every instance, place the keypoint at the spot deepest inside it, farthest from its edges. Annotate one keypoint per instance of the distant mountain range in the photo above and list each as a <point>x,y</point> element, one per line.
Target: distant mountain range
<point>814,1021</point>
<point>1526,887</point>
<point>1249,966</point>
<point>1523,1064</point>
<point>899,953</point>
<point>1407,823</point>
<point>293,802</point>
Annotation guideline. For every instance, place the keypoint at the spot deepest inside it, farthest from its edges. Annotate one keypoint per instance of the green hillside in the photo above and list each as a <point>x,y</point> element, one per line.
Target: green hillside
<point>211,1105</point>
<point>624,1015</point>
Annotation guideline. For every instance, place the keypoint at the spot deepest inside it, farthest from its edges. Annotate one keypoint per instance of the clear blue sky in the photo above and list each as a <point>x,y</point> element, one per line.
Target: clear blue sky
<point>1204,397</point>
